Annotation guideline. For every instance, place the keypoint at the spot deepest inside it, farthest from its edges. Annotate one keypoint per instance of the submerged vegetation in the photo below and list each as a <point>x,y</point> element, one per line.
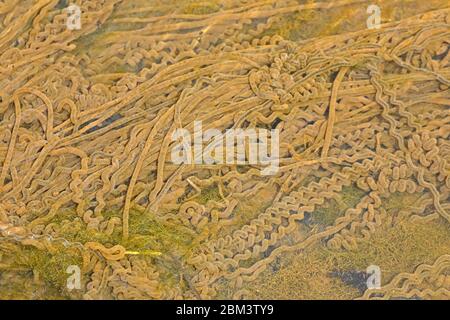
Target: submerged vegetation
<point>88,115</point>
<point>319,272</point>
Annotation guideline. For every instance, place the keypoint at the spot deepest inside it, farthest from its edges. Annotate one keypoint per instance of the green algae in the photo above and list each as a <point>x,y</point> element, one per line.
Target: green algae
<point>19,285</point>
<point>248,210</point>
<point>45,271</point>
<point>199,8</point>
<point>292,26</point>
<point>150,233</point>
<point>299,276</point>
<point>327,214</point>
<point>163,7</point>
<point>147,232</point>
<point>209,194</point>
<point>310,274</point>
<point>399,201</point>
<point>349,18</point>
<point>400,248</point>
<point>76,231</point>
<point>51,267</point>
<point>64,215</point>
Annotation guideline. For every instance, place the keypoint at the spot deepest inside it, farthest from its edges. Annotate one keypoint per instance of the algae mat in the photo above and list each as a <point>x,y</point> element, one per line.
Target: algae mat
<point>95,97</point>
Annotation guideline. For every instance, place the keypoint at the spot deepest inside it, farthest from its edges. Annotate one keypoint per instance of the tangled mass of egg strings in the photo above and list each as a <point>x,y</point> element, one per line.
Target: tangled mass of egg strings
<point>87,116</point>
